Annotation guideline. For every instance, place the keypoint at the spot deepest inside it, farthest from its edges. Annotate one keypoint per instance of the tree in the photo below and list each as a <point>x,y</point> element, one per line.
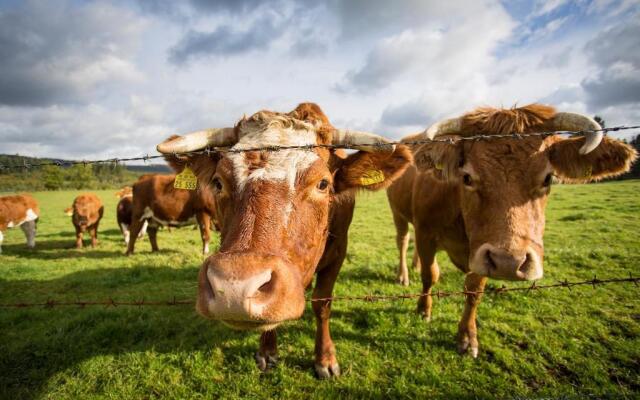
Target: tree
<point>599,120</point>
<point>80,176</point>
<point>53,177</point>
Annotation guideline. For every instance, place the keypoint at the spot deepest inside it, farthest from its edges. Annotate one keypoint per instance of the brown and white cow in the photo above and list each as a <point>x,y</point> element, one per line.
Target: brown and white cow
<point>483,202</point>
<point>284,215</point>
<point>86,213</point>
<point>157,203</point>
<point>20,210</point>
<point>124,211</point>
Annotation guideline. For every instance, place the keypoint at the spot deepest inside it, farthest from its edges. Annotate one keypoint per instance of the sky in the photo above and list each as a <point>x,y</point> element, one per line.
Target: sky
<point>98,79</point>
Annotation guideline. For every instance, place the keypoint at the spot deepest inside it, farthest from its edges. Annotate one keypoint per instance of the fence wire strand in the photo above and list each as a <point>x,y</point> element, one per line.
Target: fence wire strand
<point>110,302</point>
<point>64,163</point>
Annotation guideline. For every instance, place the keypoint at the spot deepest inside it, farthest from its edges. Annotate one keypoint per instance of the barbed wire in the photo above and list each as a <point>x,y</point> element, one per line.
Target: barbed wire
<point>110,302</point>
<point>65,163</point>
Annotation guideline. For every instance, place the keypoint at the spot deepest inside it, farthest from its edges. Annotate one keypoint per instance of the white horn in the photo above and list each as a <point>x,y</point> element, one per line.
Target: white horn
<point>564,121</point>
<point>216,137</point>
<point>364,141</point>
<point>445,127</point>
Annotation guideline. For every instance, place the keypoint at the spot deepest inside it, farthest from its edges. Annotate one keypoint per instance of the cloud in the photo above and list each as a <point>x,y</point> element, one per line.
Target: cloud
<point>615,53</point>
<point>61,52</point>
<point>459,45</point>
<point>226,40</point>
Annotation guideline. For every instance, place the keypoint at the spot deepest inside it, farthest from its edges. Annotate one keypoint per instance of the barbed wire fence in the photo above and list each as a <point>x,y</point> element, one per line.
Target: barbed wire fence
<point>110,302</point>
<point>145,158</point>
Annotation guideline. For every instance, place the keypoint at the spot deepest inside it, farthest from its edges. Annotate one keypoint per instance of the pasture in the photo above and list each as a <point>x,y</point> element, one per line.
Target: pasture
<point>559,342</point>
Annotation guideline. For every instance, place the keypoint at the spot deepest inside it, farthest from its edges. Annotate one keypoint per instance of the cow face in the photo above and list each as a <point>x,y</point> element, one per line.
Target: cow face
<point>275,209</point>
<point>503,186</point>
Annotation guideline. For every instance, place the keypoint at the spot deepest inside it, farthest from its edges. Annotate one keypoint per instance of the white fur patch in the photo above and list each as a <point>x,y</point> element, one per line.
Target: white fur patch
<point>10,225</point>
<point>29,229</point>
<point>281,165</point>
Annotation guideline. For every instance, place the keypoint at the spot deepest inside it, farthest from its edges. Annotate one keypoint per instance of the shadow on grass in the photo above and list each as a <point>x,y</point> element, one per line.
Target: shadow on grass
<point>40,342</point>
<point>61,249</point>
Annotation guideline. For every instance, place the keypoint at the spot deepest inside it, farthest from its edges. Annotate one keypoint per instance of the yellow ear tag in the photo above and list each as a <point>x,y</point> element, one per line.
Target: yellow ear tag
<point>186,180</point>
<point>588,172</point>
<point>439,166</point>
<point>372,177</point>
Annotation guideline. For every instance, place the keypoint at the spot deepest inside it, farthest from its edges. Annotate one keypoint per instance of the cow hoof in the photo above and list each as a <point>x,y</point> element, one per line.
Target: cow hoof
<point>465,348</point>
<point>327,372</point>
<point>265,363</point>
<point>403,281</point>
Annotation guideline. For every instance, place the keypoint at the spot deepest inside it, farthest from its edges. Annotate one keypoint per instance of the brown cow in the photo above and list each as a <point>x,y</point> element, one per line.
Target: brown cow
<point>483,201</point>
<point>124,210</point>
<point>86,213</point>
<point>284,215</point>
<point>157,203</point>
<point>19,210</point>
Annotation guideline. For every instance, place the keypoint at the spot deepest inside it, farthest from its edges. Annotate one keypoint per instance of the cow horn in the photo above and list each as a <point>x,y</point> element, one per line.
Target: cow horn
<point>445,127</point>
<point>216,137</point>
<point>564,121</point>
<point>364,141</point>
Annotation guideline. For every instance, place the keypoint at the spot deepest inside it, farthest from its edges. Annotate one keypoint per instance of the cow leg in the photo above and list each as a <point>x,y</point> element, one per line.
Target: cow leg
<point>326,363</point>
<point>429,273</point>
<point>134,231</point>
<point>124,228</point>
<point>78,238</point>
<point>153,237</point>
<point>267,355</point>
<point>29,229</point>
<point>415,263</point>
<point>467,331</point>
<point>402,241</point>
<point>144,228</point>
<point>1,240</point>
<point>93,231</point>
<point>204,220</point>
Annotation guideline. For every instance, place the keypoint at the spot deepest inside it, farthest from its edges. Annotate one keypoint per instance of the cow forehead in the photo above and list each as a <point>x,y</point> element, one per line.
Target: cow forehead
<point>280,165</point>
<point>524,156</point>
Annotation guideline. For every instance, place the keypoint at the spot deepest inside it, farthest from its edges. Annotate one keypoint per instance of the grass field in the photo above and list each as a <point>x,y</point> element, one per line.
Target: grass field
<point>542,344</point>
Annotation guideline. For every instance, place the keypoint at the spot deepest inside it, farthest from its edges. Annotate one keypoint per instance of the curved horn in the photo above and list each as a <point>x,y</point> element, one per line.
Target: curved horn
<point>564,121</point>
<point>216,137</point>
<point>445,127</point>
<point>364,141</point>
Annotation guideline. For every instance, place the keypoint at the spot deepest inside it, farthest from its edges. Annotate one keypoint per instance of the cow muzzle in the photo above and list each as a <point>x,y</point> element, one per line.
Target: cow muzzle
<point>247,291</point>
<point>498,263</point>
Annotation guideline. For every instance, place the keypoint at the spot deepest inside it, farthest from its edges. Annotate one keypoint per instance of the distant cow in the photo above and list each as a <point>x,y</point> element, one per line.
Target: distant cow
<point>157,203</point>
<point>483,201</point>
<point>86,213</point>
<point>20,210</point>
<point>284,215</point>
<point>124,210</point>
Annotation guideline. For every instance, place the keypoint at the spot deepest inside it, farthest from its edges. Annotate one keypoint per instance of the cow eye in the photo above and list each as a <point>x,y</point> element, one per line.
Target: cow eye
<point>547,180</point>
<point>466,179</point>
<point>323,185</point>
<point>217,184</point>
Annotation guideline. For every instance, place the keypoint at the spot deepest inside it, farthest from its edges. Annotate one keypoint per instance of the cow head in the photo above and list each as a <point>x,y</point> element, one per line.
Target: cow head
<point>503,184</point>
<point>274,207</point>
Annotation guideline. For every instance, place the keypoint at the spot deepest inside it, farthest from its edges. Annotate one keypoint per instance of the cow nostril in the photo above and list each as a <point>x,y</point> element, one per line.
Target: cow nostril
<point>268,286</point>
<point>525,263</point>
<point>490,262</point>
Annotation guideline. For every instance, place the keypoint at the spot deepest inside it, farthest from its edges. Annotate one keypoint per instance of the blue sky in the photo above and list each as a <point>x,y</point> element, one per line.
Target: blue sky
<point>93,79</point>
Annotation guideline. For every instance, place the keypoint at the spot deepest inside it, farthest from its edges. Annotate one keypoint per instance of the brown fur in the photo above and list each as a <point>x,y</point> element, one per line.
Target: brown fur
<point>157,193</point>
<point>502,206</point>
<point>87,212</point>
<point>14,209</point>
<point>255,235</point>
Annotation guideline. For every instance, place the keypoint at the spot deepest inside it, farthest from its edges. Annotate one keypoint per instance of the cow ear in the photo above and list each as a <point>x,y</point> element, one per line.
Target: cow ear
<point>202,165</point>
<point>442,159</point>
<point>611,158</point>
<point>372,170</point>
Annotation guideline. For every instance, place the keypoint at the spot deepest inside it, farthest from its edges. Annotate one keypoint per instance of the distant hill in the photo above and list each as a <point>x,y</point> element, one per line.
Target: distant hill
<point>79,176</point>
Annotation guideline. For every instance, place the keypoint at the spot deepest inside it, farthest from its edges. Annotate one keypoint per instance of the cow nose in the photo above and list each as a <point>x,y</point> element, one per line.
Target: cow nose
<point>503,260</point>
<point>241,299</point>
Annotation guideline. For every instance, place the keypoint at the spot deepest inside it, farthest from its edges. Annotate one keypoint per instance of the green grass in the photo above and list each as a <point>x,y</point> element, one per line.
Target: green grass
<point>542,344</point>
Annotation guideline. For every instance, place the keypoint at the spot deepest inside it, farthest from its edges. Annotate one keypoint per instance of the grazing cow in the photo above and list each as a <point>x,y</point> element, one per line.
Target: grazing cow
<point>284,215</point>
<point>124,210</point>
<point>21,210</point>
<point>157,203</point>
<point>483,201</point>
<point>86,213</point>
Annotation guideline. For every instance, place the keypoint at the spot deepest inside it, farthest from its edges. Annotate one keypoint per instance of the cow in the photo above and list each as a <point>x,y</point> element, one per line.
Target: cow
<point>20,210</point>
<point>157,203</point>
<point>86,213</point>
<point>483,201</point>
<point>124,210</point>
<point>284,216</point>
